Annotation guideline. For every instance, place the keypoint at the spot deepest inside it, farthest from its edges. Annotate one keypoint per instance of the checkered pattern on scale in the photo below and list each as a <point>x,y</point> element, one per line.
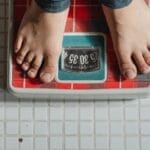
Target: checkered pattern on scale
<point>84,16</point>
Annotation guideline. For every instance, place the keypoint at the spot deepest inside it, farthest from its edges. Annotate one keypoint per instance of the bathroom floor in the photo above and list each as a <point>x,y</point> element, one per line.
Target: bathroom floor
<point>68,125</point>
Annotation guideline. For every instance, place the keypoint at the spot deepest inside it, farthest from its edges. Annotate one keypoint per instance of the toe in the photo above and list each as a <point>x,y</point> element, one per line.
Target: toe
<point>146,56</point>
<point>32,73</point>
<point>127,67</point>
<point>27,61</point>
<point>18,43</point>
<point>49,69</point>
<point>142,66</point>
<point>21,55</point>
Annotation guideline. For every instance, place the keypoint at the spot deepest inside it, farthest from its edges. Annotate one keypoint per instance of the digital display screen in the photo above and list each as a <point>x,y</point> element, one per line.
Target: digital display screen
<point>81,59</point>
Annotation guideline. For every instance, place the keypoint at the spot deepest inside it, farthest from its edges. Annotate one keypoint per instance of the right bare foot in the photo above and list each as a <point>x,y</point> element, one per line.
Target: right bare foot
<point>129,27</point>
<point>39,40</point>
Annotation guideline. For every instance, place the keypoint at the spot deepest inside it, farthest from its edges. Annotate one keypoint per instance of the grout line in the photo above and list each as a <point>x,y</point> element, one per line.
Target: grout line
<point>19,124</point>
<point>109,126</point>
<point>48,117</point>
<point>4,122</point>
<point>139,123</point>
<point>124,125</point>
<point>63,126</point>
<point>79,124</point>
<point>94,126</point>
<point>33,113</point>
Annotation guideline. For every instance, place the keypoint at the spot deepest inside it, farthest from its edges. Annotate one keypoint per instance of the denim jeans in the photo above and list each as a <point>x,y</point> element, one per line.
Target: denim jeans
<point>53,5</point>
<point>114,4</point>
<point>60,5</point>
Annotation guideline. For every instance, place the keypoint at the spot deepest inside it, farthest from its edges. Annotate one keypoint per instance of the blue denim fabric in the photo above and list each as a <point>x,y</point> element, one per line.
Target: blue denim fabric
<point>60,5</point>
<point>53,5</point>
<point>114,4</point>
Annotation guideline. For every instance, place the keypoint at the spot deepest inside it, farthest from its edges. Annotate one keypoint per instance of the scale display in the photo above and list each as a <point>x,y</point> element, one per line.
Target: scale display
<point>80,59</point>
<point>83,58</point>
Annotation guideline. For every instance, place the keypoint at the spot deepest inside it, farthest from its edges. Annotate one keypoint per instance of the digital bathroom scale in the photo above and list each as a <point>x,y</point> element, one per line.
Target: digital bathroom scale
<point>87,67</point>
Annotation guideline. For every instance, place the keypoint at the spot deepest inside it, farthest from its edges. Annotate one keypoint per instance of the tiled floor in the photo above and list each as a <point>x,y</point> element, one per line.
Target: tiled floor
<point>63,125</point>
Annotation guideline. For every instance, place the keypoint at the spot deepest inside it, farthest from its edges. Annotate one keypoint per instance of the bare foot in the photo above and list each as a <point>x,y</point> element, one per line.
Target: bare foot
<point>129,27</point>
<point>39,40</point>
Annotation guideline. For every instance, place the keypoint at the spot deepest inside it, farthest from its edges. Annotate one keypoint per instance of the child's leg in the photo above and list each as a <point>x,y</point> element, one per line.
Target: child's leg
<point>39,40</point>
<point>129,27</point>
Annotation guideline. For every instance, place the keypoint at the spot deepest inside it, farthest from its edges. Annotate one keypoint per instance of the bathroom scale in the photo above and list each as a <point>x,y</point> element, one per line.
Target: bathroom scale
<point>87,67</point>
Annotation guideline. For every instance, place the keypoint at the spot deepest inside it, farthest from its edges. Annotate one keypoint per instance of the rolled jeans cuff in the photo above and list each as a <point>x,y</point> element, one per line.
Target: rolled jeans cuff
<point>53,5</point>
<point>114,4</point>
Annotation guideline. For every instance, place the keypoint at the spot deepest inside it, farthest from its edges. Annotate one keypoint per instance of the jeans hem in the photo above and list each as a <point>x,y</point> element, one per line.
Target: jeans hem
<point>116,5</point>
<point>53,7</point>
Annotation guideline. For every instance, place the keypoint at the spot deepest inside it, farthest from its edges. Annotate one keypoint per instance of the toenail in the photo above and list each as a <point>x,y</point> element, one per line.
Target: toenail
<point>146,69</point>
<point>148,61</point>
<point>19,61</point>
<point>25,66</point>
<point>31,73</point>
<point>130,74</point>
<point>46,77</point>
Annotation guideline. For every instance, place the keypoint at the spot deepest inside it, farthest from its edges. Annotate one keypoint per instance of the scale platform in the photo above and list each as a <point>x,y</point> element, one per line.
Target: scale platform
<point>87,67</point>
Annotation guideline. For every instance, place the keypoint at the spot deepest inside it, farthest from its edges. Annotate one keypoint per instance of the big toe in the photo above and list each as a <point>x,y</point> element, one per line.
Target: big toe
<point>49,68</point>
<point>127,67</point>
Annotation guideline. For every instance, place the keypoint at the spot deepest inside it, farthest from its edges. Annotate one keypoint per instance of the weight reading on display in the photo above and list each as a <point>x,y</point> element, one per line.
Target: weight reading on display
<point>81,59</point>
